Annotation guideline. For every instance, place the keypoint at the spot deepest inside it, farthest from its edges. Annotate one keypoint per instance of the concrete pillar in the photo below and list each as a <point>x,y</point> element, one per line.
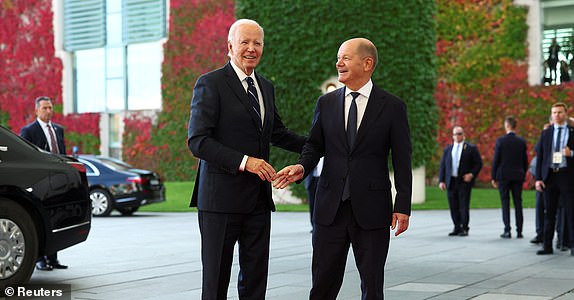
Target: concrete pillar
<point>534,38</point>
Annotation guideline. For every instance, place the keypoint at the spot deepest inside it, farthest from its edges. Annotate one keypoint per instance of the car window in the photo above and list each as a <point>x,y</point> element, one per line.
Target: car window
<point>115,164</point>
<point>91,170</point>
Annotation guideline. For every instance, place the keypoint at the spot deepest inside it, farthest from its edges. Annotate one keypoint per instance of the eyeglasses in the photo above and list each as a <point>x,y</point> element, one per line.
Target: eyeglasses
<point>457,133</point>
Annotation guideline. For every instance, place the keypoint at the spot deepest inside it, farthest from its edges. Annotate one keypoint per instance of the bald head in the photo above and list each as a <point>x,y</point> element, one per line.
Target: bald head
<point>356,61</point>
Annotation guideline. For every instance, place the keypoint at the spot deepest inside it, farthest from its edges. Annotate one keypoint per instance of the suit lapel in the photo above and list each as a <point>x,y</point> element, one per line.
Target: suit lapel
<point>374,107</point>
<point>237,88</point>
<point>267,101</point>
<point>39,132</point>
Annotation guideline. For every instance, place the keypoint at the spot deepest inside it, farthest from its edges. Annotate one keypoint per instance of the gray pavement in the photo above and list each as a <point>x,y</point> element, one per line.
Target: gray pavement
<point>157,256</point>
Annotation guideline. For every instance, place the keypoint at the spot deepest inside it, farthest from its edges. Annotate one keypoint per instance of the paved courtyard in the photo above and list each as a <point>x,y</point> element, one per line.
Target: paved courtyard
<point>157,256</point>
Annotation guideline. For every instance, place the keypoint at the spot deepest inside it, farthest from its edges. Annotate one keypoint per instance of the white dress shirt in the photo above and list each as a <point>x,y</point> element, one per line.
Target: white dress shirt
<point>362,99</point>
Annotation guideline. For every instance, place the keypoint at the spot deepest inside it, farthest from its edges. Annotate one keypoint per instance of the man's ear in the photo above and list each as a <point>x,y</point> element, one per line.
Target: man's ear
<point>368,64</point>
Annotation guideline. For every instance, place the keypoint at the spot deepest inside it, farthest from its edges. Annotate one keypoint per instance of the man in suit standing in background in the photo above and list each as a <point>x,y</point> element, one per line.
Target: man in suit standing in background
<point>50,137</point>
<point>509,167</point>
<point>355,128</point>
<point>459,168</point>
<point>233,120</point>
<point>555,174</point>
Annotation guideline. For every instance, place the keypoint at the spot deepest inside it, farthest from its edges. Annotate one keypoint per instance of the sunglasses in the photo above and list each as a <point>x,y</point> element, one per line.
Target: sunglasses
<point>458,133</point>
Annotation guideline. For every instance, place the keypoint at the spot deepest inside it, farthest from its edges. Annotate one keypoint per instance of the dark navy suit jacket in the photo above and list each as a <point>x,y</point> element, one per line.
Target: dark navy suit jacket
<point>222,128</point>
<point>544,152</point>
<point>384,128</point>
<point>34,133</point>
<point>510,161</point>
<point>470,162</point>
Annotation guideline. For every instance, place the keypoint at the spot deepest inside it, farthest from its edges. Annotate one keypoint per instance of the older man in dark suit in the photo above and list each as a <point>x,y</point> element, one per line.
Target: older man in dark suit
<point>509,167</point>
<point>355,128</point>
<point>459,168</point>
<point>555,174</point>
<point>48,136</point>
<point>233,120</point>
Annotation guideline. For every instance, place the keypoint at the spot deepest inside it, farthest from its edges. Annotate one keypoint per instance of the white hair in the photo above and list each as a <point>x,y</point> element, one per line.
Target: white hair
<point>240,22</point>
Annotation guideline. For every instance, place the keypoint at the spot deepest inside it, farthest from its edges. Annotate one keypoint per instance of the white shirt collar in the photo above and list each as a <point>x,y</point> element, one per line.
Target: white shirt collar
<point>240,72</point>
<point>44,124</point>
<point>365,90</point>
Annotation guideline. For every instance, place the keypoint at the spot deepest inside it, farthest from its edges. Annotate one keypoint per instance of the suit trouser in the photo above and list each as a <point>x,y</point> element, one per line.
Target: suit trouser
<point>311,187</point>
<point>505,187</point>
<point>330,250</point>
<point>219,233</point>
<point>540,215</point>
<point>458,195</point>
<point>558,185</point>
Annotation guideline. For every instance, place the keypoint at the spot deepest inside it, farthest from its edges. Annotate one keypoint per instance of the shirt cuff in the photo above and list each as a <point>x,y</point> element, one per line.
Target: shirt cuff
<point>243,163</point>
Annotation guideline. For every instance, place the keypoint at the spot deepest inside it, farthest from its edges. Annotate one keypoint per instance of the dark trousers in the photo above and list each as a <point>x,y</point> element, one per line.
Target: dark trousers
<point>219,233</point>
<point>311,187</point>
<point>505,187</point>
<point>558,185</point>
<point>330,249</point>
<point>458,195</point>
<point>540,215</point>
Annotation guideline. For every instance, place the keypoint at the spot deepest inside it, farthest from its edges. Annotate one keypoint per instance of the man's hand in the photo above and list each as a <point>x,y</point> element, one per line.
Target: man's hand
<point>403,223</point>
<point>540,186</point>
<point>288,175</point>
<point>260,167</point>
<point>567,152</point>
<point>494,183</point>
<point>467,177</point>
<point>442,186</point>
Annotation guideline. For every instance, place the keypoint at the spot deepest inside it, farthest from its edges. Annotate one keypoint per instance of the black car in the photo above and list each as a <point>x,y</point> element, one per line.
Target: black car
<point>44,206</point>
<point>115,184</point>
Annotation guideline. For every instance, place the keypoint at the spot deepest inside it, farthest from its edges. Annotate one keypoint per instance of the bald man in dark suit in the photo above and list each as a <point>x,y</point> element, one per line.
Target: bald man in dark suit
<point>356,128</point>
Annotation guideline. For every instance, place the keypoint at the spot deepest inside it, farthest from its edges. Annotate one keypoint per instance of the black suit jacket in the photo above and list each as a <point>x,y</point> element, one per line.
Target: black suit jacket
<point>384,128</point>
<point>544,153</point>
<point>223,127</point>
<point>34,133</point>
<point>510,161</point>
<point>470,162</point>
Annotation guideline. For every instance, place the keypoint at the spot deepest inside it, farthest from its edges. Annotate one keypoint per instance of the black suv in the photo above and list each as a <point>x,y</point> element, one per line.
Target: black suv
<point>44,206</point>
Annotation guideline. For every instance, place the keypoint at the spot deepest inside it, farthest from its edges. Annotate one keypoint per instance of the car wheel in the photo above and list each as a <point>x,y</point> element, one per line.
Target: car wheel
<point>128,211</point>
<point>101,203</point>
<point>18,244</point>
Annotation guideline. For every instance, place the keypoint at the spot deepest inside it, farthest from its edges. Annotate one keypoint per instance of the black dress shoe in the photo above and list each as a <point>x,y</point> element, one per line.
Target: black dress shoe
<point>505,235</point>
<point>544,252</point>
<point>43,266</point>
<point>463,233</point>
<point>59,266</point>
<point>519,235</point>
<point>536,240</point>
<point>454,233</point>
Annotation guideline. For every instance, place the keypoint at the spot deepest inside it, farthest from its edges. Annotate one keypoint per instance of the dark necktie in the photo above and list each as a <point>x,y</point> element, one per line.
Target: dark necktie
<point>558,139</point>
<point>351,136</point>
<point>252,93</point>
<point>557,145</point>
<point>53,144</point>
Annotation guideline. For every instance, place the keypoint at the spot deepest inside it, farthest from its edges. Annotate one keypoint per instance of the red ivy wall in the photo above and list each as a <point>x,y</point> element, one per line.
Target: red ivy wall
<point>481,50</point>
<point>30,69</point>
<point>197,43</point>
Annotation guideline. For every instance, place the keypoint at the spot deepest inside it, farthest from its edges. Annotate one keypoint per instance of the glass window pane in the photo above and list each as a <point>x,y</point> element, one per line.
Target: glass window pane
<point>115,62</point>
<point>144,76</point>
<point>90,80</point>
<point>115,95</point>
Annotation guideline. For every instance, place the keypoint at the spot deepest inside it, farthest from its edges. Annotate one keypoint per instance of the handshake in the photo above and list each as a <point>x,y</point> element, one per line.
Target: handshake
<point>280,179</point>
